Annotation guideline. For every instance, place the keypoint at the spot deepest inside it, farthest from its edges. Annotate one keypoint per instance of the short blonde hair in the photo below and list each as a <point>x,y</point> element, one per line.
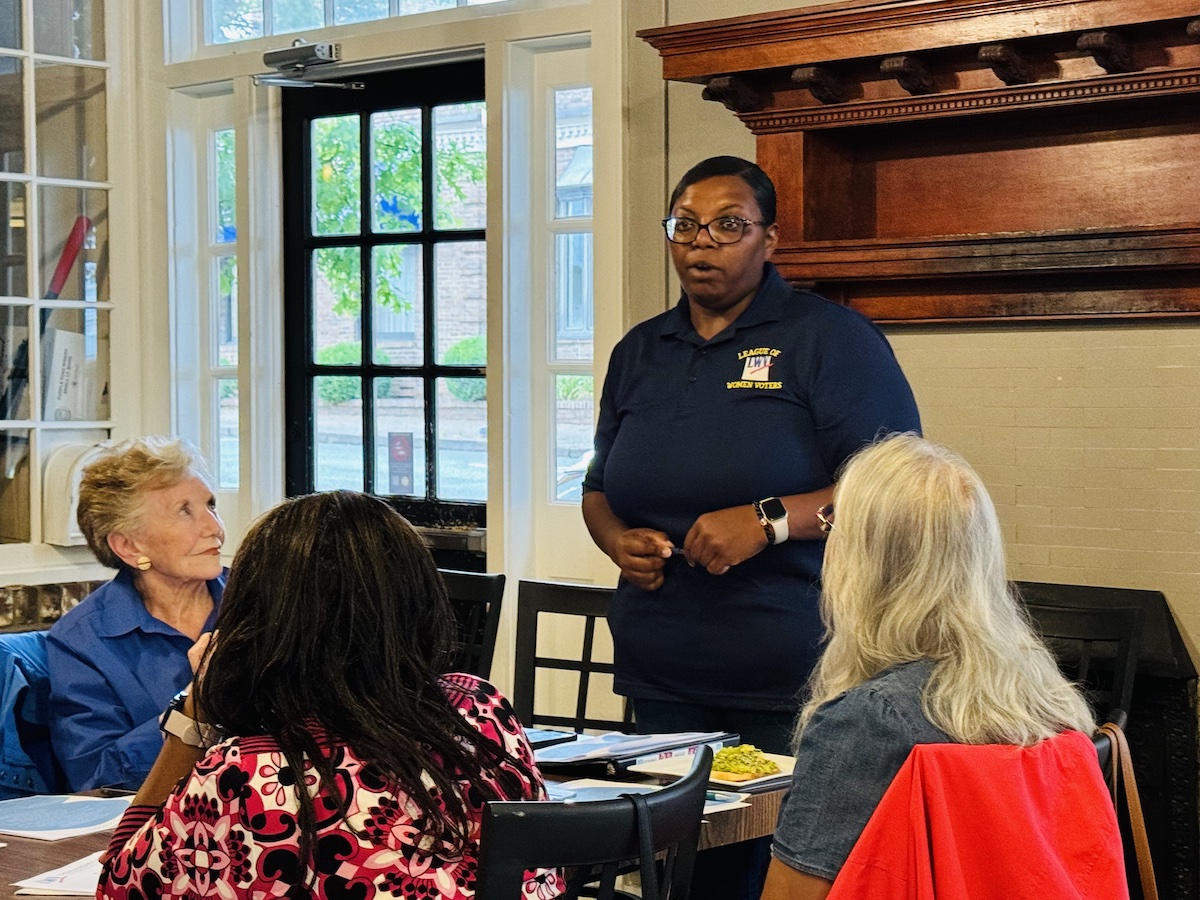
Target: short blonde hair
<point>915,569</point>
<point>112,491</point>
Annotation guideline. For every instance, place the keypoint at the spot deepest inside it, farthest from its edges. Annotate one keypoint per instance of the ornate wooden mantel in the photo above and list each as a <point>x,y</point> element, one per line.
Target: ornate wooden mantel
<point>952,160</point>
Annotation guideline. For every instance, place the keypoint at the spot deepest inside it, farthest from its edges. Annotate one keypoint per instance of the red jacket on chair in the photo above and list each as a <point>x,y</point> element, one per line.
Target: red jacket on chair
<point>991,821</point>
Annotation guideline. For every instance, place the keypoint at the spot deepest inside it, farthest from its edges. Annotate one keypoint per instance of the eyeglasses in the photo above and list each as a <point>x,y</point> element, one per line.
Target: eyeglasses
<point>825,518</point>
<point>723,229</point>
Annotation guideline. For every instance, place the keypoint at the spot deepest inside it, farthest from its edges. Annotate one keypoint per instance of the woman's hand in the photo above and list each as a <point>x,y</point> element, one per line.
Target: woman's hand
<point>641,554</point>
<point>722,539</point>
<point>196,654</point>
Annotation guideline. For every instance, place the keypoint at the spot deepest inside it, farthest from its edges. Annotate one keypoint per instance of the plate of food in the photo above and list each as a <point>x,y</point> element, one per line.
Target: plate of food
<point>742,766</point>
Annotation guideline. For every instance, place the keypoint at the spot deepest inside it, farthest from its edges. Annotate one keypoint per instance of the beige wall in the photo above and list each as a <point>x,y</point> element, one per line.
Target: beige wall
<point>1087,436</point>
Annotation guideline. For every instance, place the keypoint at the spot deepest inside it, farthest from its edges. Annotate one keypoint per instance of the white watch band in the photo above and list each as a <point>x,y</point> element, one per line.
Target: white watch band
<point>776,529</point>
<point>188,730</point>
<point>779,527</point>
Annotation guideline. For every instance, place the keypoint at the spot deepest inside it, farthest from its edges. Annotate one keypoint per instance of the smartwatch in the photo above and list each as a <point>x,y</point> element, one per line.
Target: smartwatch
<point>773,517</point>
<point>175,721</point>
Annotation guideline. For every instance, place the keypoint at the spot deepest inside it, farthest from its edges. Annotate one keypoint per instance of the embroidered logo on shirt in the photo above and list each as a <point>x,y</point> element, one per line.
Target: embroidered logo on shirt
<point>756,370</point>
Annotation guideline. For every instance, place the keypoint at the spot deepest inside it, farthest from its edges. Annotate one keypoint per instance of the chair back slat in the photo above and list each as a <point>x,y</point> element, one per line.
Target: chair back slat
<point>517,836</point>
<point>588,603</point>
<point>1095,645</point>
<point>476,599</point>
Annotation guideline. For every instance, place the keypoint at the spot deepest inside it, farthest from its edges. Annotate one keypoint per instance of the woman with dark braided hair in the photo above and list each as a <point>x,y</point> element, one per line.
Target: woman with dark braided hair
<point>326,672</point>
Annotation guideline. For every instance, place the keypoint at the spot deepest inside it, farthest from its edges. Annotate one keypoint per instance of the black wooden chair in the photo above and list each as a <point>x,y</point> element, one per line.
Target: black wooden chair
<point>596,839</point>
<point>476,599</point>
<point>538,598</point>
<point>1080,634</point>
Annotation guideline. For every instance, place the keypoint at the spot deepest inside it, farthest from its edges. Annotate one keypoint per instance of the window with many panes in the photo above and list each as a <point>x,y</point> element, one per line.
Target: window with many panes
<point>385,282</point>
<point>570,227</point>
<point>240,20</point>
<point>222,321</point>
<point>54,228</point>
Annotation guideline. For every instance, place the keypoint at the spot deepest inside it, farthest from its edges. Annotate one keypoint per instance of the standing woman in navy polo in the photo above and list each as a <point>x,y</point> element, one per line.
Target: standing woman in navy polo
<point>723,423</point>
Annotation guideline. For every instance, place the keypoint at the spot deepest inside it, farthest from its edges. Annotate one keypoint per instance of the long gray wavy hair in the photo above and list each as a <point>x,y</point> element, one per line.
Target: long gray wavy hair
<point>914,569</point>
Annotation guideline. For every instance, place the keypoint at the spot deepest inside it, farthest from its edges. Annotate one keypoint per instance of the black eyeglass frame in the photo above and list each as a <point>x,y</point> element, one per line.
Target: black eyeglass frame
<point>706,226</point>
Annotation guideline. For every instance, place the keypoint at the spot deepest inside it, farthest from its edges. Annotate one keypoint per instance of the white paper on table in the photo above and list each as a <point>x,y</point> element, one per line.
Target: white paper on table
<point>583,789</point>
<point>77,879</point>
<point>52,817</point>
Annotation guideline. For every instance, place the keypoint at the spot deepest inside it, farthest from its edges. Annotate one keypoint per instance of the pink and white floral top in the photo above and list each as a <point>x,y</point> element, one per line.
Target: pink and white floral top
<point>229,830</point>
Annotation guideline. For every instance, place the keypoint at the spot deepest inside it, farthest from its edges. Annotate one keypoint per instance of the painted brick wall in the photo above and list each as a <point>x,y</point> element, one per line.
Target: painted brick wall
<point>1089,441</point>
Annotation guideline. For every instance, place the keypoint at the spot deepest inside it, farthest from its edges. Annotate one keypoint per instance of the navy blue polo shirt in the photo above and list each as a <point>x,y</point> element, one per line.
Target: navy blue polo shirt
<point>772,405</point>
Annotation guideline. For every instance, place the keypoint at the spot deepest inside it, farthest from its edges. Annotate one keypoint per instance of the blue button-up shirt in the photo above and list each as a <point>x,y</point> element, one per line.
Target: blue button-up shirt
<point>113,669</point>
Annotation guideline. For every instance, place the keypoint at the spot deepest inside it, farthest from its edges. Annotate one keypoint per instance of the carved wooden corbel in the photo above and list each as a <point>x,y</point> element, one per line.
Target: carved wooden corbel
<point>821,83</point>
<point>910,72</point>
<point>1193,29</point>
<point>738,94</point>
<point>1109,49</point>
<point>1008,64</point>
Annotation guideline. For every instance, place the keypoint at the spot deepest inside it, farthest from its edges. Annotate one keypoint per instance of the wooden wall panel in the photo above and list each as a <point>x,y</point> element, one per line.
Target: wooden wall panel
<point>939,152</point>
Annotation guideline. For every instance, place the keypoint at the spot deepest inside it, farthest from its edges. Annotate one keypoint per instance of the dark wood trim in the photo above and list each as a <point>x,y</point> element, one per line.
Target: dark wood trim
<point>864,28</point>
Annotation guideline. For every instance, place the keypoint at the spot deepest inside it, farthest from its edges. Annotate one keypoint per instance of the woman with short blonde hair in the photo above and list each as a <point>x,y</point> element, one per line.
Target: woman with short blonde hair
<point>147,509</point>
<point>112,490</point>
<point>925,644</point>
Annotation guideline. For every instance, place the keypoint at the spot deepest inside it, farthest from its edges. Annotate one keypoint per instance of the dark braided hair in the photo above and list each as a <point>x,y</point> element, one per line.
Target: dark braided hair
<point>335,616</point>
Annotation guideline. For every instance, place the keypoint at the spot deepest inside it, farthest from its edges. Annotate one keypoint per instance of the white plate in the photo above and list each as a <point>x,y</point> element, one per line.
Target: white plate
<point>679,766</point>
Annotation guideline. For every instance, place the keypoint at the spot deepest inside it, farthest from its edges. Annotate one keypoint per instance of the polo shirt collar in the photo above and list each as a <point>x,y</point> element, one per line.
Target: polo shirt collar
<point>124,612</point>
<point>767,306</point>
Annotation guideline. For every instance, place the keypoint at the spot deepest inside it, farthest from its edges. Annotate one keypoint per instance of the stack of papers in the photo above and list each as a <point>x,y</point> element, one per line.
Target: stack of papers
<point>77,879</point>
<point>52,817</point>
<point>584,789</point>
<point>546,737</point>
<point>625,749</point>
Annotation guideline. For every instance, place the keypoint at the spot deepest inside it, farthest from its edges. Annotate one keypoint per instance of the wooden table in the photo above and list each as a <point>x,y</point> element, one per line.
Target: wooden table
<point>25,857</point>
<point>736,825</point>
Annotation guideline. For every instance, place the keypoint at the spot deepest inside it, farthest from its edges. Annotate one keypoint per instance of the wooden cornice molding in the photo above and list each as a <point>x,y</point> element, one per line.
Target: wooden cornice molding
<point>1028,96</point>
<point>737,94</point>
<point>866,28</point>
<point>1007,62</point>
<point>821,83</point>
<point>1109,49</point>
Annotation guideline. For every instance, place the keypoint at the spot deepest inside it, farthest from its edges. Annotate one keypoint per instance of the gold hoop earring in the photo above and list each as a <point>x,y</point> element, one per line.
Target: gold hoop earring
<point>143,563</point>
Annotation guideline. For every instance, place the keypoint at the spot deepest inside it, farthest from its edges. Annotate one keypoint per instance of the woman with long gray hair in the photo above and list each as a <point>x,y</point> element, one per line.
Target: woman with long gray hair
<point>926,644</point>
